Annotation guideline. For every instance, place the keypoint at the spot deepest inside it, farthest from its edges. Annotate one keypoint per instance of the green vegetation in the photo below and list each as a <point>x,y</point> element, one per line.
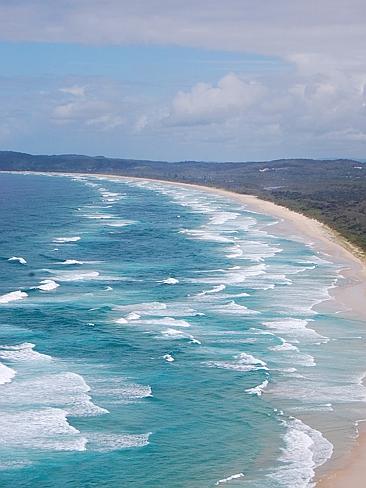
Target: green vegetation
<point>333,192</point>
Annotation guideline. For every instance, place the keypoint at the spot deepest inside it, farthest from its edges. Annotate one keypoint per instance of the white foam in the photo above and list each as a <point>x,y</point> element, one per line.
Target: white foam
<point>101,442</point>
<point>319,392</point>
<point>22,352</point>
<point>242,362</point>
<point>166,321</point>
<point>326,407</point>
<point>6,374</point>
<point>15,464</point>
<point>285,346</point>
<point>147,308</point>
<point>215,289</point>
<point>178,334</point>
<point>236,275</point>
<point>235,252</point>
<point>237,295</point>
<point>297,303</point>
<point>71,262</point>
<point>288,370</point>
<point>121,223</point>
<point>169,358</point>
<point>174,333</point>
<point>221,218</point>
<point>18,259</point>
<point>121,321</point>
<point>130,392</point>
<point>205,235</point>
<point>300,358</point>
<point>61,240</point>
<point>158,309</point>
<point>133,316</point>
<point>305,450</point>
<point>294,327</point>
<point>109,196</point>
<point>77,275</point>
<point>100,216</point>
<point>118,390</point>
<point>65,389</point>
<point>48,285</point>
<point>233,308</point>
<point>135,391</point>
<point>256,251</point>
<point>170,281</point>
<point>314,260</point>
<point>13,296</point>
<point>45,429</point>
<point>257,390</point>
<point>230,478</point>
<point>249,359</point>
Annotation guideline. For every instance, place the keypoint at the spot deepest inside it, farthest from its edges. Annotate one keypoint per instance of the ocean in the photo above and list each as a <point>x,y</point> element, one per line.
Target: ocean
<point>153,335</point>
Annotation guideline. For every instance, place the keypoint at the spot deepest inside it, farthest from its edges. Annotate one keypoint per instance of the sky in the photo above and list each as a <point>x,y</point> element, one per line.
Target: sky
<point>214,80</point>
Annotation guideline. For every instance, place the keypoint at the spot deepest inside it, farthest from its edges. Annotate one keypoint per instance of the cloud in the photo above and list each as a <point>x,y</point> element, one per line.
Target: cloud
<point>101,105</point>
<point>93,113</point>
<point>240,118</point>
<point>77,91</point>
<point>315,106</point>
<point>235,117</point>
<point>206,103</point>
<point>80,110</point>
<point>141,122</point>
<point>106,122</point>
<point>331,28</point>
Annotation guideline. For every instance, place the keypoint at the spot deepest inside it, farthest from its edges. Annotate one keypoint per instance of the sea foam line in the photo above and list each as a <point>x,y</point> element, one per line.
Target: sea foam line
<point>257,390</point>
<point>22,352</point>
<point>44,429</point>
<point>104,442</point>
<point>230,478</point>
<point>242,362</point>
<point>48,285</point>
<point>62,240</point>
<point>13,296</point>
<point>18,259</point>
<point>6,374</point>
<point>305,450</point>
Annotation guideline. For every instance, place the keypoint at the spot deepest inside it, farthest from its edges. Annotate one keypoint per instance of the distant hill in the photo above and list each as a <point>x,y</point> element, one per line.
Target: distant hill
<point>333,191</point>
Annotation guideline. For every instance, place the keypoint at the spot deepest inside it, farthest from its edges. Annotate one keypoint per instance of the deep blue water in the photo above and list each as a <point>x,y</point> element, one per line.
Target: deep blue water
<point>159,336</point>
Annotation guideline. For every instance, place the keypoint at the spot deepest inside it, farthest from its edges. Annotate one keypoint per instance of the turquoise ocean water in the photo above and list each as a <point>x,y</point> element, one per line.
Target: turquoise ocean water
<point>159,336</point>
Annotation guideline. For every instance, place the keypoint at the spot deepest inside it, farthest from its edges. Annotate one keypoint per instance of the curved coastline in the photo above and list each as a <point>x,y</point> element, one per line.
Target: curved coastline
<point>300,227</point>
<point>349,294</point>
<point>350,297</point>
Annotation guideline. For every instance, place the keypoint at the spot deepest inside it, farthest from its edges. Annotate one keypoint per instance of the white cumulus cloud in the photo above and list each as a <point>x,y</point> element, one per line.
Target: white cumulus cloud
<point>206,103</point>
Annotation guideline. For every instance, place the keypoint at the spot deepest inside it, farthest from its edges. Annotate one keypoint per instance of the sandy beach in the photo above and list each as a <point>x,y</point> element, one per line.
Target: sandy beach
<point>349,296</point>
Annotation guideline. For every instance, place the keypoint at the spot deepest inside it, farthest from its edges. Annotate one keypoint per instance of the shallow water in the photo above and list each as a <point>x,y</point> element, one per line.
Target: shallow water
<point>154,335</point>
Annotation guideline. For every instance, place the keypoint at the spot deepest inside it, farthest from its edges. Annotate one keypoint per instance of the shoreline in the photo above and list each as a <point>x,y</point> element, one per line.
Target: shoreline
<point>299,227</point>
<point>349,294</point>
<point>350,470</point>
